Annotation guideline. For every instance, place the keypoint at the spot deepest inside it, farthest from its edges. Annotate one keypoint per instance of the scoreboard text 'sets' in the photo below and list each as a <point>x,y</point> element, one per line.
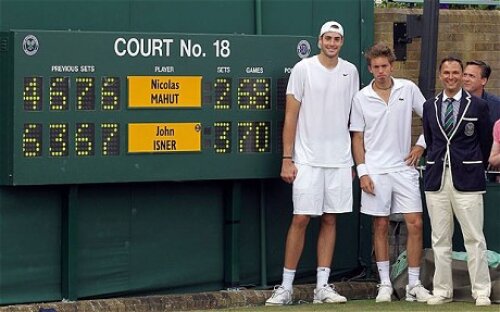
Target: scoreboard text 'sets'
<point>100,107</point>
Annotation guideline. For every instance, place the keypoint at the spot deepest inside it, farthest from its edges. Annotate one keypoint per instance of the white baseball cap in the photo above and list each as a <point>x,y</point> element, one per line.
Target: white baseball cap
<point>331,26</point>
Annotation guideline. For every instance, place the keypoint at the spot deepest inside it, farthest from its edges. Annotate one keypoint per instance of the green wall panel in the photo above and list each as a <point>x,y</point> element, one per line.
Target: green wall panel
<point>180,229</point>
<point>143,237</point>
<point>64,15</point>
<point>30,242</point>
<point>195,16</point>
<point>103,239</point>
<point>250,234</point>
<point>349,226</point>
<point>278,217</point>
<point>288,17</point>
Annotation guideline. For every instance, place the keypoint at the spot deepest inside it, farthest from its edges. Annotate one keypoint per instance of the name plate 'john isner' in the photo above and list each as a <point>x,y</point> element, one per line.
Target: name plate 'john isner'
<point>164,145</point>
<point>164,131</point>
<point>164,137</point>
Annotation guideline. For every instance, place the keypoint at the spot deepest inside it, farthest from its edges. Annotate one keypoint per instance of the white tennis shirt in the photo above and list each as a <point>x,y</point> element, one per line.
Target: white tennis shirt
<point>387,127</point>
<point>322,138</point>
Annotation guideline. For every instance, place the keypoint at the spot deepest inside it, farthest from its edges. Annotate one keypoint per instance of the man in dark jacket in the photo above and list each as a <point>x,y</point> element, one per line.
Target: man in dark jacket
<point>457,132</point>
<point>476,75</point>
<point>475,78</point>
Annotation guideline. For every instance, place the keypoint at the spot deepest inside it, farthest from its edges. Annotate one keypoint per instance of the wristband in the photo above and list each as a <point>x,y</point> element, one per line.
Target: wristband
<point>362,170</point>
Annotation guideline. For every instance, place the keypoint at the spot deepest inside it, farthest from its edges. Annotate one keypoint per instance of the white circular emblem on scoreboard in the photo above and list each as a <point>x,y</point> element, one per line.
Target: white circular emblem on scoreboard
<point>30,45</point>
<point>303,49</point>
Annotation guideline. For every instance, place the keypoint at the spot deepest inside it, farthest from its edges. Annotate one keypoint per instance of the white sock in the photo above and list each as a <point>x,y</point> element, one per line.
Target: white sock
<point>413,275</point>
<point>288,276</point>
<point>383,272</point>
<point>322,275</point>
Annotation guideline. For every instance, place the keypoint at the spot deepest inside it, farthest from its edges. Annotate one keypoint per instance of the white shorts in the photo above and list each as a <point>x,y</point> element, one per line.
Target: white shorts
<point>395,192</point>
<point>318,190</point>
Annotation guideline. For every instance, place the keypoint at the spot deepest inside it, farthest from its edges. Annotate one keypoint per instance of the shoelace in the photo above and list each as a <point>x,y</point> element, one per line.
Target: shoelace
<point>275,290</point>
<point>327,286</point>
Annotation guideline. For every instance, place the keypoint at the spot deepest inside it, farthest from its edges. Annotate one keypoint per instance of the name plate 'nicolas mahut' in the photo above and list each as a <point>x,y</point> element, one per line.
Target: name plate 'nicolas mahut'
<point>164,91</point>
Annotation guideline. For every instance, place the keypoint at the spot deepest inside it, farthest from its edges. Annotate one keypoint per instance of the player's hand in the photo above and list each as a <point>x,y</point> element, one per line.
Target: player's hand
<point>413,157</point>
<point>366,184</point>
<point>288,171</point>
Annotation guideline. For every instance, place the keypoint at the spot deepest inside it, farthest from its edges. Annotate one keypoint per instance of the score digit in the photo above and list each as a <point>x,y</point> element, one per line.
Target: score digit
<point>84,139</point>
<point>222,88</point>
<point>32,93</point>
<point>58,146</point>
<point>59,93</point>
<point>223,134</point>
<point>110,93</point>
<point>254,137</point>
<point>32,140</point>
<point>85,93</point>
<point>110,138</point>
<point>254,93</point>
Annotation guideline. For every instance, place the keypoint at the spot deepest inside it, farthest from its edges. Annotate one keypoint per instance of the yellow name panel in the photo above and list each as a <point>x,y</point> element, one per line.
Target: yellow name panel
<point>164,91</point>
<point>164,137</point>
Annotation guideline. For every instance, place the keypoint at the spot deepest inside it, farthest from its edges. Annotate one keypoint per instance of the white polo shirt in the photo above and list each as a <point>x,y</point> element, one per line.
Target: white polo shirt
<point>322,138</point>
<point>387,127</point>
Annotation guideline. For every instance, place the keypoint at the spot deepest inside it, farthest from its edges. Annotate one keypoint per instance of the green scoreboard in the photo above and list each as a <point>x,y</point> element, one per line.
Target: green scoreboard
<point>101,107</point>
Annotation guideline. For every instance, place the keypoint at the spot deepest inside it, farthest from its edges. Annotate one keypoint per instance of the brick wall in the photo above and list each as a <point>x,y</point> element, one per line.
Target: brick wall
<point>468,34</point>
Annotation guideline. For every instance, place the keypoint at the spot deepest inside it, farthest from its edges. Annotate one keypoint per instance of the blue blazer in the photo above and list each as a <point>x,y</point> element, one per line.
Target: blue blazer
<point>493,105</point>
<point>468,146</point>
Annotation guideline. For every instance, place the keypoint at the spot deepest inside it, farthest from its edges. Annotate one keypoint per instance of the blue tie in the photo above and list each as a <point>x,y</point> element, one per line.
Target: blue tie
<point>448,117</point>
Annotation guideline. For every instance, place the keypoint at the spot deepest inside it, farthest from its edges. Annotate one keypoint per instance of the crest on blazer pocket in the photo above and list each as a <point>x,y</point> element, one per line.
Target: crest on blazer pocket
<point>469,129</point>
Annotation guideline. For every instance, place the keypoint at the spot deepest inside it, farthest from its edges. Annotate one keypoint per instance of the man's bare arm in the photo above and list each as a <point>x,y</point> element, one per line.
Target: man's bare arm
<point>288,168</point>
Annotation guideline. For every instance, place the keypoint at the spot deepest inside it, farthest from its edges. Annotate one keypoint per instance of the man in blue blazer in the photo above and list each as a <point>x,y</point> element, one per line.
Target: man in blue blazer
<point>457,132</point>
<point>475,78</point>
<point>476,75</point>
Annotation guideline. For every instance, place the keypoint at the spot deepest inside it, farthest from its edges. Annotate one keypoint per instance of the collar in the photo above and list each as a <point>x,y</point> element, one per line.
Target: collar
<point>396,84</point>
<point>456,97</point>
<point>486,96</point>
